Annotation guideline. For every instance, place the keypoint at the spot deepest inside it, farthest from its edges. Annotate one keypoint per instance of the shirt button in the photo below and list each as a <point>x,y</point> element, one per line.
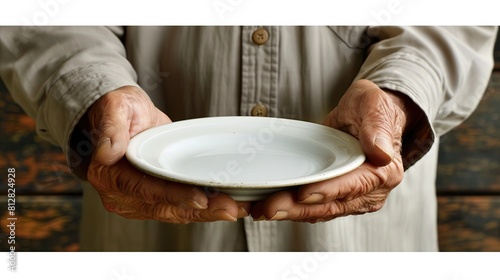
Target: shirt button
<point>260,36</point>
<point>259,110</point>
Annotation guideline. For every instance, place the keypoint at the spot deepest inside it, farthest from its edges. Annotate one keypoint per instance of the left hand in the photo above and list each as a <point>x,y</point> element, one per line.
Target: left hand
<point>378,119</point>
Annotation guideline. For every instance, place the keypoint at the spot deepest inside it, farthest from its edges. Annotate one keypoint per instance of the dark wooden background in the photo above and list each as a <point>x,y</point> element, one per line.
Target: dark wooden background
<point>48,198</point>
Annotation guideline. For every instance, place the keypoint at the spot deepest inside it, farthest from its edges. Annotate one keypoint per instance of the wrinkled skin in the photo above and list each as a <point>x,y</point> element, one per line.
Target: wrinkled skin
<point>115,118</point>
<point>378,119</point>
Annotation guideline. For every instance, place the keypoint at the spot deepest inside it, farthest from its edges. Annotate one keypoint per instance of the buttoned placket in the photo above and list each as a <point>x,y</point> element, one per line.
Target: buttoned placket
<point>259,97</point>
<point>259,71</point>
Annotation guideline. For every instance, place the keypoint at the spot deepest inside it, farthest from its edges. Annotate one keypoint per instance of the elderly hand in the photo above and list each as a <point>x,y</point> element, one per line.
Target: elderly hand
<point>126,191</point>
<point>378,119</point>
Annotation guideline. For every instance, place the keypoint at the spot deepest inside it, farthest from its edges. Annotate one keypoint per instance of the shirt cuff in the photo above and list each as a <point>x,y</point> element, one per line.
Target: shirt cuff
<point>70,97</point>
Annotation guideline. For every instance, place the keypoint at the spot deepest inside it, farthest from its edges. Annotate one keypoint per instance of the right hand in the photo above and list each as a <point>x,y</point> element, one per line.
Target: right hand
<point>115,118</point>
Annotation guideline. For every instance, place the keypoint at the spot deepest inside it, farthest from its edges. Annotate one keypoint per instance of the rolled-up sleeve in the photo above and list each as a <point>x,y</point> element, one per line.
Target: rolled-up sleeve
<point>444,70</point>
<point>56,73</point>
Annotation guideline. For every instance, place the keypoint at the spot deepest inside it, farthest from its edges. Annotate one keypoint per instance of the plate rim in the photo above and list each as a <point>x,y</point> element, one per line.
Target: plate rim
<point>354,161</point>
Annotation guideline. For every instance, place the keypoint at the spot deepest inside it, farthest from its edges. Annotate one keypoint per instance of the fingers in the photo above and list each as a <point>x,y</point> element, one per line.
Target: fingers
<point>221,208</point>
<point>285,206</point>
<point>362,181</point>
<point>274,207</point>
<point>347,187</point>
<point>244,208</point>
<point>126,191</point>
<point>362,190</point>
<point>289,209</point>
<point>123,179</point>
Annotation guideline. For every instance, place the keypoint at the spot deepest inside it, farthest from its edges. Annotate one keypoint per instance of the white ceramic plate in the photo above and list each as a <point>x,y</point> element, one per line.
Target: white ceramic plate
<point>245,157</point>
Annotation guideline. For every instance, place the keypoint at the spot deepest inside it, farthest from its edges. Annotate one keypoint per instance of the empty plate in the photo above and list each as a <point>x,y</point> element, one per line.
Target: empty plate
<point>245,157</point>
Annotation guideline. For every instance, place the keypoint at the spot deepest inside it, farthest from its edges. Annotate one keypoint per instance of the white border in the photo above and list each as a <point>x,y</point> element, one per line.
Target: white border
<point>249,12</point>
<point>438,266</point>
<point>255,266</point>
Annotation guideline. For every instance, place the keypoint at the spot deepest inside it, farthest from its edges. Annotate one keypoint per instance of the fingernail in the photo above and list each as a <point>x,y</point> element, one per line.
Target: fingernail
<point>194,204</point>
<point>223,215</point>
<point>280,215</point>
<point>242,212</point>
<point>313,198</point>
<point>385,146</point>
<point>261,218</point>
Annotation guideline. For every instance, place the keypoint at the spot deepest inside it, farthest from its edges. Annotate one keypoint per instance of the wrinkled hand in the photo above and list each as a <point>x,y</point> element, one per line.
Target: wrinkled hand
<point>378,120</point>
<point>118,116</point>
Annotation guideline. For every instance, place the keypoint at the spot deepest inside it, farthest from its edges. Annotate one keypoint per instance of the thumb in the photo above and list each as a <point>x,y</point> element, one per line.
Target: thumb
<point>380,133</point>
<point>119,115</point>
<point>373,134</point>
<point>109,119</point>
<point>380,150</point>
<point>113,137</point>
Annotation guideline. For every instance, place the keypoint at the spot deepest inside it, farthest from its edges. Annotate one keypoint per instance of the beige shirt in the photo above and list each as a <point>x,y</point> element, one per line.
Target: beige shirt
<point>56,73</point>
